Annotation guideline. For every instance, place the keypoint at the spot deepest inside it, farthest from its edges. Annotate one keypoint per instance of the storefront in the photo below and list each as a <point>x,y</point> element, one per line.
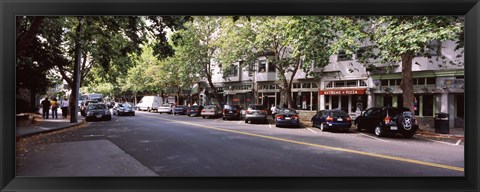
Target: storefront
<point>349,100</point>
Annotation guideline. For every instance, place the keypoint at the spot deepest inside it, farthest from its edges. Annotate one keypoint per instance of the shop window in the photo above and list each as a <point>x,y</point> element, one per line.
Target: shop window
<point>387,101</point>
<point>327,101</point>
<point>417,105</point>
<point>460,106</point>
<point>262,66</point>
<point>427,105</point>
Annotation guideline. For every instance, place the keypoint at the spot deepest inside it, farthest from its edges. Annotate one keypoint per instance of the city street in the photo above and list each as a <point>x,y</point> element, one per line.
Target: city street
<point>166,145</point>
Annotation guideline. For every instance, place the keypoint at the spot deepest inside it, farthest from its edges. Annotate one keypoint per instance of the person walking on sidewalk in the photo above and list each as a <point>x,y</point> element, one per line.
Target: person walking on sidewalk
<point>274,111</point>
<point>64,108</point>
<point>46,108</point>
<point>54,108</point>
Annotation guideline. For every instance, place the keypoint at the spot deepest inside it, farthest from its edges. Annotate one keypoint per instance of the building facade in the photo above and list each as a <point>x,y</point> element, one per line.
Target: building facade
<point>348,85</point>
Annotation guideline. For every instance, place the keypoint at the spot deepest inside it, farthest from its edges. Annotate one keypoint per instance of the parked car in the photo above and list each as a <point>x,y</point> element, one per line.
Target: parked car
<point>181,109</point>
<point>123,109</point>
<point>165,108</point>
<point>332,120</point>
<point>194,110</point>
<point>287,117</point>
<point>256,112</point>
<point>382,120</point>
<point>232,112</point>
<point>149,103</point>
<point>211,111</point>
<point>96,111</point>
<point>83,108</point>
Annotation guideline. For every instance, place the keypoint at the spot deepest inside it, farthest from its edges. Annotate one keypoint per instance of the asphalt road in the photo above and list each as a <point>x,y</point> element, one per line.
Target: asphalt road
<point>178,145</point>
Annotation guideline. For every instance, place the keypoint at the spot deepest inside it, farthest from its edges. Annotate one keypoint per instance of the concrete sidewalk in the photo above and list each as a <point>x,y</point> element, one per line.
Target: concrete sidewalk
<point>36,124</point>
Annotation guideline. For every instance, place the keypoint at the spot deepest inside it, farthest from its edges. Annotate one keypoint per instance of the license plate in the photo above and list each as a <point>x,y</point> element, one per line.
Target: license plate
<point>339,119</point>
<point>99,116</point>
<point>393,128</point>
<point>288,118</point>
<point>231,112</point>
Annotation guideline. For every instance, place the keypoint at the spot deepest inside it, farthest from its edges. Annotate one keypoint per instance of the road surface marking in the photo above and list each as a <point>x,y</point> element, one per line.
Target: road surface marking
<point>311,130</point>
<point>443,142</point>
<point>458,142</point>
<point>373,137</point>
<point>461,169</point>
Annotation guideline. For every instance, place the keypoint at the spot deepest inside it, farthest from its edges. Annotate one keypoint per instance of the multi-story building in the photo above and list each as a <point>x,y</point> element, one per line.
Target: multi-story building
<point>349,85</point>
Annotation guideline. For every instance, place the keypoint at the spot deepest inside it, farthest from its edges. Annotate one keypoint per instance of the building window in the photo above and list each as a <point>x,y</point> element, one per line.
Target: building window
<point>427,105</point>
<point>342,56</point>
<point>306,85</point>
<point>339,84</point>
<point>431,81</point>
<point>329,84</point>
<point>362,83</point>
<point>271,67</point>
<point>233,71</point>
<point>384,82</point>
<point>351,83</point>
<point>262,66</point>
<point>421,81</point>
<point>296,85</point>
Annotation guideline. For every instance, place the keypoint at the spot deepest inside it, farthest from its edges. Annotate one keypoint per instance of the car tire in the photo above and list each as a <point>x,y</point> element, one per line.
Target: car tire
<point>313,124</point>
<point>378,131</point>
<point>276,125</point>
<point>246,121</point>
<point>203,117</point>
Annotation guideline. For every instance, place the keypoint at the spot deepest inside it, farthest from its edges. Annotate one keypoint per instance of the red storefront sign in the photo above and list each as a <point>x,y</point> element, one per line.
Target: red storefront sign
<point>342,92</point>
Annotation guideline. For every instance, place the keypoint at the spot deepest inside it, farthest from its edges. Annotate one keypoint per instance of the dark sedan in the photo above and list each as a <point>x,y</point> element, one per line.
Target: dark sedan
<point>181,109</point>
<point>98,111</point>
<point>123,109</point>
<point>332,120</point>
<point>232,112</point>
<point>383,120</point>
<point>287,117</point>
<point>194,110</point>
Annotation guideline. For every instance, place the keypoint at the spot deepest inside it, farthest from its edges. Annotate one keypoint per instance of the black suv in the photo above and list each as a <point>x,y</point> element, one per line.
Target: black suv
<point>382,120</point>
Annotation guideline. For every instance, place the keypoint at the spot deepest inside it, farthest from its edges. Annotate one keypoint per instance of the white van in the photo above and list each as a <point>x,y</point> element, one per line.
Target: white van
<point>149,103</point>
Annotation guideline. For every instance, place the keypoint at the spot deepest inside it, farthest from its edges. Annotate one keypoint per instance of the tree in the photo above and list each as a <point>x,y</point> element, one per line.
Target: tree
<point>288,43</point>
<point>195,47</point>
<point>399,39</point>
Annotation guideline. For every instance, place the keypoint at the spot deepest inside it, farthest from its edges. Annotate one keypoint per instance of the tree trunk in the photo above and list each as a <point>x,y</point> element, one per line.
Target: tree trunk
<point>407,82</point>
<point>32,32</point>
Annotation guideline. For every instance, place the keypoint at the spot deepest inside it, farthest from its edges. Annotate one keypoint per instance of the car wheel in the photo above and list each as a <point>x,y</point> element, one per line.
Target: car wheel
<point>203,117</point>
<point>378,131</point>
<point>322,127</point>
<point>223,118</point>
<point>246,121</point>
<point>276,125</point>
<point>313,124</point>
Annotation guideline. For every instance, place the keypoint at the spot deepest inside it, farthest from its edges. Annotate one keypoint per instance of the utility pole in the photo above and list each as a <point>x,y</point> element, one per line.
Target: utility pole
<point>76,73</point>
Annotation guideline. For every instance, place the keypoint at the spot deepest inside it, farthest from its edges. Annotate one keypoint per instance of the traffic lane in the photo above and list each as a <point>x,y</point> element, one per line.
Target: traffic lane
<point>186,150</point>
<point>414,148</point>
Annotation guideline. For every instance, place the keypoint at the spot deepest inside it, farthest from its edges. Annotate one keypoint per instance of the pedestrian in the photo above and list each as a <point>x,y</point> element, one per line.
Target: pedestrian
<point>64,107</point>
<point>274,111</point>
<point>173,109</point>
<point>46,108</point>
<point>54,108</point>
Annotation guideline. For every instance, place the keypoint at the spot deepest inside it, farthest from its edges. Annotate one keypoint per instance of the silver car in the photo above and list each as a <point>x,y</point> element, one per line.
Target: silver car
<point>211,111</point>
<point>256,112</point>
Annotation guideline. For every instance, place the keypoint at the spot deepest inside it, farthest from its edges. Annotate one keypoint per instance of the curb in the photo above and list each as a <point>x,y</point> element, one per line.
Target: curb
<point>48,131</point>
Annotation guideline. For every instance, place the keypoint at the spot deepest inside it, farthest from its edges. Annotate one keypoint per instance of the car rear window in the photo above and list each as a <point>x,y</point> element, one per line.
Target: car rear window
<point>97,107</point>
<point>338,113</point>
<point>257,107</point>
<point>231,107</point>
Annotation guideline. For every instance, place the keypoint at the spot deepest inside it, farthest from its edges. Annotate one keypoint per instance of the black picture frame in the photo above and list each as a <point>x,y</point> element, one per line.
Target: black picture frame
<point>9,9</point>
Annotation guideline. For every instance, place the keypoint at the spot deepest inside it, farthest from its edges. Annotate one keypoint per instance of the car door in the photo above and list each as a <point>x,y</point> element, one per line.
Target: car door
<point>373,118</point>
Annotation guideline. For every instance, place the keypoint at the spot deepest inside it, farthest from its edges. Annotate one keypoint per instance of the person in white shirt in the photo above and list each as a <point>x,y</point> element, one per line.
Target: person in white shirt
<point>64,105</point>
<point>274,111</point>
